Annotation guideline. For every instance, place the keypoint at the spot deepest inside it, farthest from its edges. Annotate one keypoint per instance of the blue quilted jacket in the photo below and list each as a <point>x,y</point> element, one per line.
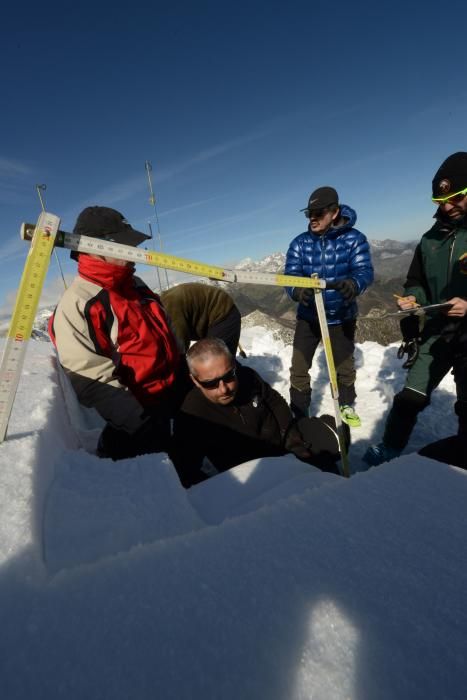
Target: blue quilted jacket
<point>342,252</point>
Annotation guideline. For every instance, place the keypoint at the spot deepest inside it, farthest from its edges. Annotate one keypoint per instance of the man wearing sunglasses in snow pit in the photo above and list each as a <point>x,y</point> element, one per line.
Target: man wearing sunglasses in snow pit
<point>232,415</point>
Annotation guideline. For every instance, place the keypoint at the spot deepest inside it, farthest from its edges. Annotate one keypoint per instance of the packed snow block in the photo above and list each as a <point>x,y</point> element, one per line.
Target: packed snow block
<point>354,592</point>
<point>28,458</point>
<point>256,483</point>
<point>97,508</point>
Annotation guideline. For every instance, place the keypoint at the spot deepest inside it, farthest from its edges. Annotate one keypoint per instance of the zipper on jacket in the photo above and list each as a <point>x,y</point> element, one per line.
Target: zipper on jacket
<point>239,413</point>
<point>451,248</point>
<point>323,257</point>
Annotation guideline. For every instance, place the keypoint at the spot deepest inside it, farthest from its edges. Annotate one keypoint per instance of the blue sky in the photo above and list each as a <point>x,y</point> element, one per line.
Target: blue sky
<point>242,110</point>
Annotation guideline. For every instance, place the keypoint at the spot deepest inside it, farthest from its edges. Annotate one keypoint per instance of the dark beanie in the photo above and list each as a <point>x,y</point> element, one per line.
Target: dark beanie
<point>451,176</point>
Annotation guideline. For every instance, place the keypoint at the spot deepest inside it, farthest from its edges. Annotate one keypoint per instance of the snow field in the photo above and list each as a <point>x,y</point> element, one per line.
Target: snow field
<point>270,581</point>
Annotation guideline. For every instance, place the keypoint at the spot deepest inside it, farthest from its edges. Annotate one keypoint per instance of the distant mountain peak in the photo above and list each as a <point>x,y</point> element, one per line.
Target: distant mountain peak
<point>384,254</point>
<point>274,262</point>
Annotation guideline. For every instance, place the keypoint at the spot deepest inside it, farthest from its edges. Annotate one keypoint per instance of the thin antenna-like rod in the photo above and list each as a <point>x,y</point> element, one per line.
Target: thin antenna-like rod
<point>157,269</point>
<point>152,201</point>
<point>38,190</point>
<point>42,188</point>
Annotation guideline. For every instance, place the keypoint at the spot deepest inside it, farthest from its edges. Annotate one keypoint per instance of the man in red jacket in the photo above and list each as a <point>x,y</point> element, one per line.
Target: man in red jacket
<point>115,344</point>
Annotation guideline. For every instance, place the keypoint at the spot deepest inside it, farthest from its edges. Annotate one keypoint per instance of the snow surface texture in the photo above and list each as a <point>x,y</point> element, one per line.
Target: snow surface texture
<point>270,581</point>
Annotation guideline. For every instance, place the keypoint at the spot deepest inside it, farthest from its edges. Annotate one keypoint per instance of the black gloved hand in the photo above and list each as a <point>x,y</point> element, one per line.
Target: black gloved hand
<point>409,348</point>
<point>410,329</point>
<point>347,288</point>
<point>304,295</point>
<point>295,443</point>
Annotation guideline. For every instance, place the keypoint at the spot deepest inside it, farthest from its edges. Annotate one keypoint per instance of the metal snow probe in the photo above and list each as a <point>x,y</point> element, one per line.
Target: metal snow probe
<point>46,234</point>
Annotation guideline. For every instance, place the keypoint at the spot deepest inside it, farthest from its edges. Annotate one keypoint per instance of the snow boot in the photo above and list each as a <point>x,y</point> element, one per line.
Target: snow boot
<point>350,416</point>
<point>377,454</point>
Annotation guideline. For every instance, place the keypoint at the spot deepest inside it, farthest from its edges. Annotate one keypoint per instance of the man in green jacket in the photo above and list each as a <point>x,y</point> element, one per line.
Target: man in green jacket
<point>437,274</point>
<point>199,310</point>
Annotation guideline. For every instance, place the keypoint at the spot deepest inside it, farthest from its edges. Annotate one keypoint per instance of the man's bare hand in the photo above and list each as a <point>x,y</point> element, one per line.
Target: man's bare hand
<point>406,303</point>
<point>458,308</point>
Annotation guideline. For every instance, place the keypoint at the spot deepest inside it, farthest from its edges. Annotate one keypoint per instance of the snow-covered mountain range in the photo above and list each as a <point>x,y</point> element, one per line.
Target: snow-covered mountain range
<point>390,259</point>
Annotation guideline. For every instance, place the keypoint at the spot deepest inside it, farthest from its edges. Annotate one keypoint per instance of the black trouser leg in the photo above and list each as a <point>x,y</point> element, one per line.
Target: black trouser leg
<point>453,450</point>
<point>460,377</point>
<point>153,436</point>
<point>402,417</point>
<point>305,342</point>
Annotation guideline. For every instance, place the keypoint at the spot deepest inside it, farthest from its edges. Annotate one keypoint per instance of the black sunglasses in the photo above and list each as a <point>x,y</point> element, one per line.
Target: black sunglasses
<point>214,383</point>
<point>316,213</point>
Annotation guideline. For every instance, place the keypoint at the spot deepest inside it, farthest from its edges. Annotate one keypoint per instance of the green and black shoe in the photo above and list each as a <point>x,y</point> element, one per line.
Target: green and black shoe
<point>350,417</point>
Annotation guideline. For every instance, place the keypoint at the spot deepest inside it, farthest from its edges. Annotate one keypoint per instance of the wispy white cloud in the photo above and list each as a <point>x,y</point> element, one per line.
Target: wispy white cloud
<point>12,249</point>
<point>272,233</point>
<point>51,293</point>
<point>214,152</point>
<point>12,174</point>
<point>191,205</point>
<point>108,196</point>
<point>13,168</point>
<point>133,185</point>
<point>175,210</point>
<point>194,231</point>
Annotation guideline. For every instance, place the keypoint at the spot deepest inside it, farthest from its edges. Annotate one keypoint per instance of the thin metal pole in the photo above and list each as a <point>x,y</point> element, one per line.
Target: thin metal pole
<point>40,188</point>
<point>157,269</point>
<point>152,201</point>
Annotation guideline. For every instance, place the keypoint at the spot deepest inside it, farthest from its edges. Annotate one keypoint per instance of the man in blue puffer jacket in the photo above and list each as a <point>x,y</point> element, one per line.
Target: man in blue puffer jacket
<point>340,254</point>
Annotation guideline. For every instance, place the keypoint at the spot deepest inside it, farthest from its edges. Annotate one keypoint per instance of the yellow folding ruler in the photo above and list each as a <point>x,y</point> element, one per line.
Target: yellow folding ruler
<point>99,246</point>
<point>27,301</point>
<point>326,340</point>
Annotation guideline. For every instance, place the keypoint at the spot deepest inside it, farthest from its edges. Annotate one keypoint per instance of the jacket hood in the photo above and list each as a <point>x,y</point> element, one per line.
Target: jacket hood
<point>349,215</point>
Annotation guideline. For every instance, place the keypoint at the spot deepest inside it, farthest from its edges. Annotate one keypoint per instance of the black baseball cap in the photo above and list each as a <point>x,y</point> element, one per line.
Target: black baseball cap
<point>321,198</point>
<point>103,222</point>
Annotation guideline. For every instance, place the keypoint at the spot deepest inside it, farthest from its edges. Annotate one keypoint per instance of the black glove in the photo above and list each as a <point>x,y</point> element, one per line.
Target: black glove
<point>304,295</point>
<point>409,348</point>
<point>295,443</point>
<point>410,329</point>
<point>347,288</point>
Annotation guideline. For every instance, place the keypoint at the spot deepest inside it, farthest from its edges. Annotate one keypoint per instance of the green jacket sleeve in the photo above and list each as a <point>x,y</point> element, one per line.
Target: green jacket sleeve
<point>416,284</point>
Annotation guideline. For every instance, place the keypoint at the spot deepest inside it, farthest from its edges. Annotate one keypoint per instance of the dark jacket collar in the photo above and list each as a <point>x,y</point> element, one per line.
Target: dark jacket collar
<point>447,225</point>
